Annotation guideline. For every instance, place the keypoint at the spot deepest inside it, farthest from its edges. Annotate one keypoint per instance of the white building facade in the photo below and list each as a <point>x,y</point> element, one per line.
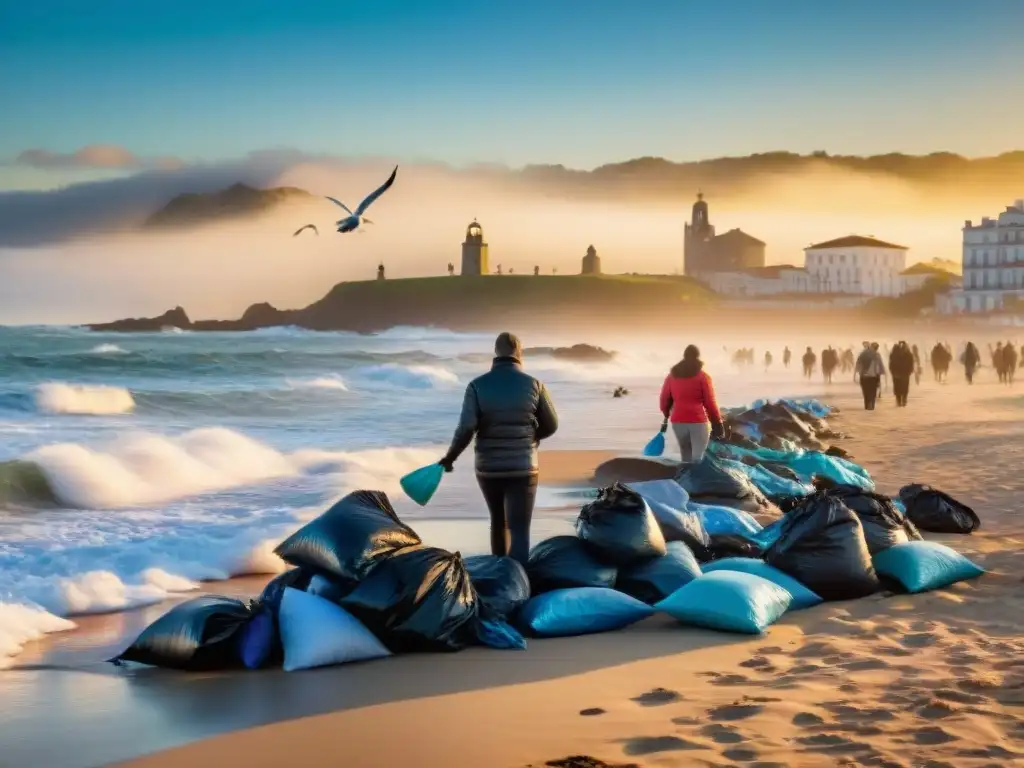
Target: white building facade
<point>993,263</point>
<point>761,281</point>
<point>857,265</point>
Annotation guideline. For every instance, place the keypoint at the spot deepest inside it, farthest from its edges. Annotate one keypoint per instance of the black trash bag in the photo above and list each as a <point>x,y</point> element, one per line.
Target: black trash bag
<point>201,634</point>
<point>563,562</point>
<point>418,599</point>
<point>619,527</point>
<point>711,482</point>
<point>655,579</point>
<point>883,524</point>
<point>725,545</point>
<point>501,584</point>
<point>347,540</point>
<point>937,512</point>
<point>821,544</point>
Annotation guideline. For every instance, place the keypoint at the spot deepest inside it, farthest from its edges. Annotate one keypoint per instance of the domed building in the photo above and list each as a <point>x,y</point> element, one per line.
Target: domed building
<point>474,251</point>
<point>591,262</point>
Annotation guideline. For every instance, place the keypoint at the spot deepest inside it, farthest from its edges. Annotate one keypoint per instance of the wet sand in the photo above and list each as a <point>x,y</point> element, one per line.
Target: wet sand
<point>896,681</point>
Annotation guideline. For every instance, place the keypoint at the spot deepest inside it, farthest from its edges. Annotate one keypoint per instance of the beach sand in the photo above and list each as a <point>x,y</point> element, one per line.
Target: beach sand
<point>928,680</point>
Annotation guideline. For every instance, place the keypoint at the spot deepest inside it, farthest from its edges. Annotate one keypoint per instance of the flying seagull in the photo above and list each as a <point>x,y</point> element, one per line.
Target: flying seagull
<point>356,219</point>
<point>308,226</point>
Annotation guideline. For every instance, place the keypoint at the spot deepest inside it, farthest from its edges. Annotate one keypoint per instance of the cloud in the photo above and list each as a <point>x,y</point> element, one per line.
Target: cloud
<point>105,156</point>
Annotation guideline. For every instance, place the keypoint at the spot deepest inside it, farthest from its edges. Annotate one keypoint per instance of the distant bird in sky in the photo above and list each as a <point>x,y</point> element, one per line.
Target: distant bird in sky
<point>308,226</point>
<point>357,219</point>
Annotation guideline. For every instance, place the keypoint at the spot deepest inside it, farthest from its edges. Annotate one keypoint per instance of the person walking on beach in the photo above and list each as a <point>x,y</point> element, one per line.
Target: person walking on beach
<point>767,361</point>
<point>810,360</point>
<point>971,359</point>
<point>901,367</point>
<point>998,361</point>
<point>787,356</point>
<point>918,370</point>
<point>688,401</point>
<point>510,413</point>
<point>1010,361</point>
<point>940,362</point>
<point>869,369</point>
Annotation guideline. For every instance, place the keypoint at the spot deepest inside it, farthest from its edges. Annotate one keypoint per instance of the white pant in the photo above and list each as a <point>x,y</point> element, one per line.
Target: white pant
<point>693,440</point>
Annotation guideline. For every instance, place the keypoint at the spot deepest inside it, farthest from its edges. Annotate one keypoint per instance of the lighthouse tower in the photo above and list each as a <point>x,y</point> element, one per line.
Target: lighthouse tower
<point>474,251</point>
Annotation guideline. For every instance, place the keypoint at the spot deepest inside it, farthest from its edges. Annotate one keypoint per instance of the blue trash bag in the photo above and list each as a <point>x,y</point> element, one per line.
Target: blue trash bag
<point>498,633</point>
<point>726,520</point>
<point>201,634</point>
<point>802,596</point>
<point>619,527</point>
<point>729,601</point>
<point>668,502</point>
<point>563,562</point>
<point>923,565</point>
<point>318,633</point>
<point>581,611</point>
<point>655,446</point>
<point>257,640</point>
<point>833,467</point>
<point>501,583</point>
<point>655,579</point>
<point>421,484</point>
<point>768,482</point>
<point>350,538</point>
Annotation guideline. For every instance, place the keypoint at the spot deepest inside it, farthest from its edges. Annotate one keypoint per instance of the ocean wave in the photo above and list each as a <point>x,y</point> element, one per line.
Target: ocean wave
<point>83,399</point>
<point>410,376</point>
<point>143,469</point>
<point>21,623</point>
<point>320,382</point>
<point>108,349</point>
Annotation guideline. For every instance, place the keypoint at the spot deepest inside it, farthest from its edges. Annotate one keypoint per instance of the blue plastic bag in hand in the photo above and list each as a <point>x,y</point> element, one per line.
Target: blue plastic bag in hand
<point>656,446</point>
<point>421,484</point>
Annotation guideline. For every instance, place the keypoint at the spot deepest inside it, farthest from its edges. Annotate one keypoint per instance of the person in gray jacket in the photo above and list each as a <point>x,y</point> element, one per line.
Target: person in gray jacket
<point>509,412</point>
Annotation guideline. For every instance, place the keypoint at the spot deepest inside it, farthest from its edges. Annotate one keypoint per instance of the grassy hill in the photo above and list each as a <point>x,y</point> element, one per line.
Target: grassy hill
<point>467,303</point>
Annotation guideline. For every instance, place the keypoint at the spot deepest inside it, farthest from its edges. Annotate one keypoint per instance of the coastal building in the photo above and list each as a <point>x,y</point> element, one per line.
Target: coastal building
<point>773,280</point>
<point>705,252</point>
<point>993,264</point>
<point>474,251</point>
<point>591,262</point>
<point>858,265</point>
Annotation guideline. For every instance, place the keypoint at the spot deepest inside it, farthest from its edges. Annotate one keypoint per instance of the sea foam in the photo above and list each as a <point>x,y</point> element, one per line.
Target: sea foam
<point>83,399</point>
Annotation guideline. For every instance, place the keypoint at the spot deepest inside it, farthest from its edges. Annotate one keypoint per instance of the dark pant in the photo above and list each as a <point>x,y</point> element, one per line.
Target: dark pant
<point>510,501</point>
<point>869,386</point>
<point>901,388</point>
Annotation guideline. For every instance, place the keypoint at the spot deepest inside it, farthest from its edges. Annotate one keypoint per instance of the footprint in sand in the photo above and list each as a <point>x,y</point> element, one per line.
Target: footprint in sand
<point>936,709</point>
<point>730,680</point>
<point>816,650</point>
<point>805,669</point>
<point>919,639</point>
<point>649,745</point>
<point>657,697</point>
<point>959,697</point>
<point>760,663</point>
<point>740,754</point>
<point>848,713</point>
<point>833,743</point>
<point>769,650</point>
<point>849,688</point>
<point>807,720</point>
<point>932,736</point>
<point>591,712</point>
<point>686,720</point>
<point>864,665</point>
<point>722,734</point>
<point>734,711</point>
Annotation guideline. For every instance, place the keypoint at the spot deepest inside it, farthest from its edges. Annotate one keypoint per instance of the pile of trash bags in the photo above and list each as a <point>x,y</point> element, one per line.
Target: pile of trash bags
<point>731,543</point>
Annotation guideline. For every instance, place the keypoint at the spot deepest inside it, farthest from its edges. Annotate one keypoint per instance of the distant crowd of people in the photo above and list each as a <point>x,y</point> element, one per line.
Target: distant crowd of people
<point>870,370</point>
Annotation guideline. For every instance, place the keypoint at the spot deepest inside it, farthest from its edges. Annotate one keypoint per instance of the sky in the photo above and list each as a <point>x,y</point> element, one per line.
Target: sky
<point>111,87</point>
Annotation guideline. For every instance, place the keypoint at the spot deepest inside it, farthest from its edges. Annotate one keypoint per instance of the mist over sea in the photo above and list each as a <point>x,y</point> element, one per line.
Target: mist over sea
<point>133,466</point>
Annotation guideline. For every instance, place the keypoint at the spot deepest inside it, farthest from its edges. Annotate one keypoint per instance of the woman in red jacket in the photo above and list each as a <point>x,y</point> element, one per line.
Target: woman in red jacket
<point>688,399</point>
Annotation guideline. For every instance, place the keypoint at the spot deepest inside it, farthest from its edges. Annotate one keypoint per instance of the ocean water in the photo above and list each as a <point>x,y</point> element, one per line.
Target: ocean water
<point>134,466</point>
